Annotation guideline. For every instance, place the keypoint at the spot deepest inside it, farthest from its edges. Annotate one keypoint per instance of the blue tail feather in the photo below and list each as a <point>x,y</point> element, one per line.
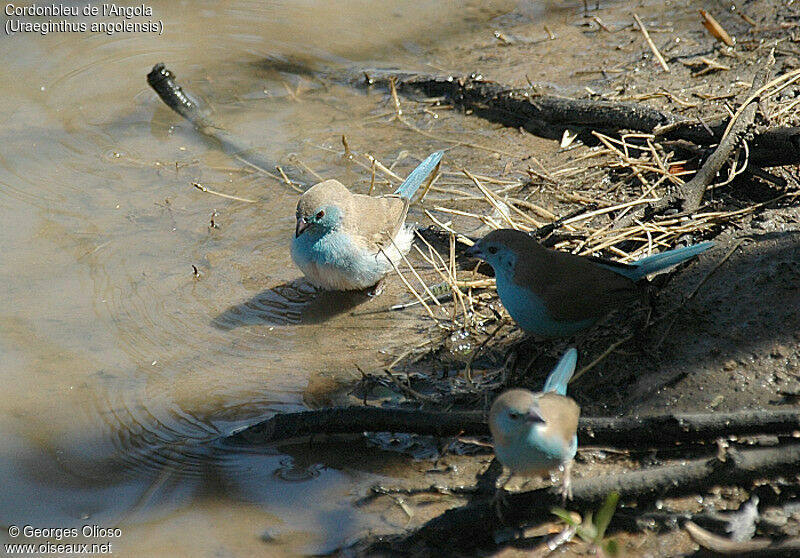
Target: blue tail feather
<point>418,175</point>
<point>659,262</point>
<point>560,376</point>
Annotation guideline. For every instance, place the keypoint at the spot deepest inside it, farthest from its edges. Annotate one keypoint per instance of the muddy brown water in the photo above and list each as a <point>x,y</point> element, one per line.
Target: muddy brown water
<point>117,364</point>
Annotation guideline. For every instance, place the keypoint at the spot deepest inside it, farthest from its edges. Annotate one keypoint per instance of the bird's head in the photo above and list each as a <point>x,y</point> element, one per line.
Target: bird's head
<point>501,248</point>
<point>513,414</point>
<point>320,208</point>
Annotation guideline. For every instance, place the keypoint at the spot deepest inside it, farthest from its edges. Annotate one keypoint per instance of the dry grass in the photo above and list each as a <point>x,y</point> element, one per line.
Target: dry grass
<point>634,169</point>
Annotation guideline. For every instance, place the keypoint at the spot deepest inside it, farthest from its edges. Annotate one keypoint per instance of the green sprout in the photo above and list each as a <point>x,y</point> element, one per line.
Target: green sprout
<point>593,529</point>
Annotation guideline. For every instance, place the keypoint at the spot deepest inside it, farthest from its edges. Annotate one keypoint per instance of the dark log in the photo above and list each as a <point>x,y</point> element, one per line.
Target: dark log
<point>659,430</point>
<point>646,431</point>
<point>356,420</point>
<point>548,116</point>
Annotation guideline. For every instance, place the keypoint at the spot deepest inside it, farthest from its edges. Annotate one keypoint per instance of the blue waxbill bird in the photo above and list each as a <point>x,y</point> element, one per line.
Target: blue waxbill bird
<point>535,433</point>
<point>345,241</point>
<point>556,294</point>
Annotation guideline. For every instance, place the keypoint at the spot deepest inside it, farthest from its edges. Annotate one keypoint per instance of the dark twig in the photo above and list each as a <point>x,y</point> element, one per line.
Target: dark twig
<point>163,83</point>
<point>693,190</point>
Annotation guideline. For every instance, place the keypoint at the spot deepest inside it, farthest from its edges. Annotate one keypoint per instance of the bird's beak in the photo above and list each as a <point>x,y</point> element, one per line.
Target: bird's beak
<point>534,415</point>
<point>302,225</point>
<point>474,251</point>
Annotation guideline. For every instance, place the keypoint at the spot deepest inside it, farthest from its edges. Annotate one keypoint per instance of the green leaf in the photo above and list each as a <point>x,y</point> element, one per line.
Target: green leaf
<point>611,548</point>
<point>605,513</point>
<point>565,516</point>
<point>587,531</point>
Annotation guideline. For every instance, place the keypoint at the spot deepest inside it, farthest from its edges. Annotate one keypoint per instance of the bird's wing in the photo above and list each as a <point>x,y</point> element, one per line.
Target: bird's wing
<point>376,220</point>
<point>574,288</point>
<point>561,414</point>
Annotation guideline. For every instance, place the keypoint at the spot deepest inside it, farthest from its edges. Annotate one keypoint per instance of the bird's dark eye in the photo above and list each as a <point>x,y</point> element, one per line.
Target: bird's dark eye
<point>492,250</point>
<point>321,214</point>
<point>513,415</point>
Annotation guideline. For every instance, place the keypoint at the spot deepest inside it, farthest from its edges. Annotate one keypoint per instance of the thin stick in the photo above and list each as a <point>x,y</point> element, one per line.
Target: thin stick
<point>347,152</point>
<point>409,390</point>
<point>458,212</point>
<point>449,276</point>
<point>716,30</point>
<point>383,168</point>
<point>287,181</point>
<point>542,212</point>
<point>595,213</point>
<point>410,126</point>
<point>403,355</point>
<point>220,194</point>
<point>461,238</point>
<point>431,180</point>
<point>596,361</point>
<point>254,166</point>
<point>650,43</point>
<point>754,548</point>
<point>305,167</point>
<point>372,179</point>
<point>789,78</point>
<point>414,272</point>
<point>393,90</point>
<point>491,199</point>
<point>479,348</point>
<point>409,286</point>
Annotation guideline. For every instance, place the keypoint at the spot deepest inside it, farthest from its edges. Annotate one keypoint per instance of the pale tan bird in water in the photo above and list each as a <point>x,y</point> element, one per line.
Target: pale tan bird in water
<point>346,241</point>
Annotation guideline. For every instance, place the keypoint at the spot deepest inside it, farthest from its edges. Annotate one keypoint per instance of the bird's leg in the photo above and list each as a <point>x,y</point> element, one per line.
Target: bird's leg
<point>566,482</point>
<point>586,6</point>
<point>376,289</point>
<point>640,327</point>
<point>499,499</point>
<point>640,334</point>
<point>649,300</point>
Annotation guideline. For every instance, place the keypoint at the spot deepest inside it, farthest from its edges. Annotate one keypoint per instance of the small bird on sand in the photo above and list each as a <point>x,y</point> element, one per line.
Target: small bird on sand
<point>537,432</point>
<point>556,294</point>
<point>345,241</point>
